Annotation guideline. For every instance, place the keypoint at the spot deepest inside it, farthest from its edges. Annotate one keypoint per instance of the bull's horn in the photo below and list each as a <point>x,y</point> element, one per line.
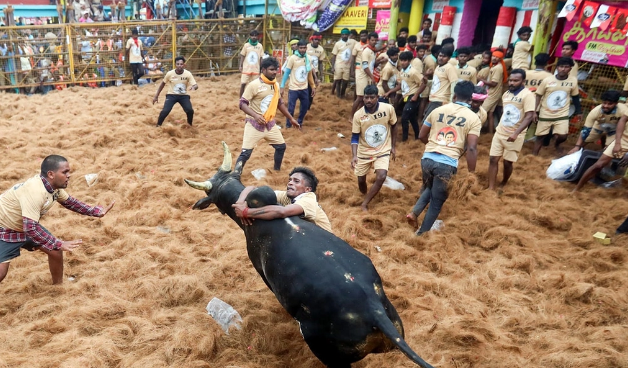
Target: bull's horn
<point>226,162</point>
<point>205,185</point>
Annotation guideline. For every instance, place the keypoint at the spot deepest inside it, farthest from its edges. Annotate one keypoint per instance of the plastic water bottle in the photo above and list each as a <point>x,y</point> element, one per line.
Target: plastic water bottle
<point>224,314</point>
<point>438,225</point>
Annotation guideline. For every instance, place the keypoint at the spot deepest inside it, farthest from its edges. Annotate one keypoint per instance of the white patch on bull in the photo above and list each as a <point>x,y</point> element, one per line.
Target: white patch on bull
<point>300,330</point>
<point>328,253</point>
<point>378,289</point>
<point>349,277</point>
<point>292,224</point>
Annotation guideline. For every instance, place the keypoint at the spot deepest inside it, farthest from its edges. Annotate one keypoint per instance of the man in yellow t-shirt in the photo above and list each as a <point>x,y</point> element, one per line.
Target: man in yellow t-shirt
<point>364,75</point>
<point>446,132</point>
<point>429,65</point>
<point>443,77</point>
<point>298,69</point>
<point>389,76</point>
<point>603,122</point>
<point>497,77</point>
<point>22,207</point>
<point>179,82</point>
<point>519,111</point>
<point>536,76</point>
<point>554,96</point>
<point>411,83</point>
<point>464,70</point>
<point>317,56</point>
<point>299,199</point>
<point>260,102</point>
<point>373,140</point>
<point>134,55</point>
<point>341,63</point>
<point>250,58</point>
<point>521,57</point>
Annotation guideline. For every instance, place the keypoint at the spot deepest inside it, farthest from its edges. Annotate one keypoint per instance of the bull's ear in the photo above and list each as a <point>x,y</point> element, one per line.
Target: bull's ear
<point>202,204</point>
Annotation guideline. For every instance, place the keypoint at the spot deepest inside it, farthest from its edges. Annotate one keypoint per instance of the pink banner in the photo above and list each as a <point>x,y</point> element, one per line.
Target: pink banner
<point>596,45</point>
<point>382,24</point>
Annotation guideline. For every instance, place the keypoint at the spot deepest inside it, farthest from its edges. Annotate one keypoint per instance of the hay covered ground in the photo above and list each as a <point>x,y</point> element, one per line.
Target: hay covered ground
<point>512,281</point>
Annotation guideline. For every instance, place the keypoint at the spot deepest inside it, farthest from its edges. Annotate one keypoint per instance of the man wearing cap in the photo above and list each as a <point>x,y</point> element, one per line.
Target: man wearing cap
<point>250,58</point>
<point>340,63</point>
<point>497,77</point>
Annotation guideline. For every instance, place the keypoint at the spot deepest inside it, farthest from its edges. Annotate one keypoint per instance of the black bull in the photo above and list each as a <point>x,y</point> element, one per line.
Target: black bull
<point>331,289</point>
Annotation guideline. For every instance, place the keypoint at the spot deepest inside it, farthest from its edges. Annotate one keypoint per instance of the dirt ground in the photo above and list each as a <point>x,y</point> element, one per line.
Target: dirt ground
<point>513,280</point>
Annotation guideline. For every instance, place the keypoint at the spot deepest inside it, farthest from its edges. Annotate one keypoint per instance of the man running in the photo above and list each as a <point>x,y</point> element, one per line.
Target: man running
<point>519,112</point>
<point>134,55</point>
<point>24,204</point>
<point>411,83</point>
<point>554,96</point>
<point>179,82</point>
<point>446,132</point>
<point>260,102</point>
<point>298,69</point>
<point>317,57</point>
<point>250,58</point>
<point>373,139</point>
<point>341,63</point>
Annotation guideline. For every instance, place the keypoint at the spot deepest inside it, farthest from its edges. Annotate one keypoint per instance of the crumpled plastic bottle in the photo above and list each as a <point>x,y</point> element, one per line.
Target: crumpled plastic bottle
<point>438,225</point>
<point>224,314</point>
<point>259,173</point>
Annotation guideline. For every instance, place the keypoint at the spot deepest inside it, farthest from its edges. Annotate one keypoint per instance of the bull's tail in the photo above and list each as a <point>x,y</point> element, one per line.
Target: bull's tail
<point>384,324</point>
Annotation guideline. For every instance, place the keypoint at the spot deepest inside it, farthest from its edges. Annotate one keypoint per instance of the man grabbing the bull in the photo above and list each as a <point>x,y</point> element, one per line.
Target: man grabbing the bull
<point>299,199</point>
<point>21,208</point>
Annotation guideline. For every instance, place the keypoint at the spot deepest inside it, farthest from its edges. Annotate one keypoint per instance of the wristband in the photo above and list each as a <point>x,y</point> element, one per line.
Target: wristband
<point>245,213</point>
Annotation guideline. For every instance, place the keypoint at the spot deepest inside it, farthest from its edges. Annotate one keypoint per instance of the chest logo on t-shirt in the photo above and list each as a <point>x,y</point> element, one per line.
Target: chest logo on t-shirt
<point>511,115</point>
<point>314,61</point>
<point>252,57</point>
<point>447,136</point>
<point>393,81</point>
<point>265,103</point>
<point>179,88</point>
<point>405,88</point>
<point>375,135</point>
<point>557,100</point>
<point>301,74</point>
<point>435,84</point>
<point>345,55</point>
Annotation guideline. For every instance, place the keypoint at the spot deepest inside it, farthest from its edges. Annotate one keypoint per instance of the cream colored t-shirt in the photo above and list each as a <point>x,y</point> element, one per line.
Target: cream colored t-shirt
<point>601,123</point>
<point>259,95</point>
<point>374,129</point>
<point>410,81</point>
<point>521,57</point>
<point>444,76</point>
<point>357,53</point>
<point>535,77</point>
<point>467,73</point>
<point>29,199</point>
<point>342,50</point>
<point>135,53</point>
<point>312,211</point>
<point>417,65</point>
<point>368,56</point>
<point>450,125</point>
<point>482,114</point>
<point>515,108</point>
<point>178,83</point>
<point>298,73</point>
<point>316,55</point>
<point>390,74</point>
<point>252,58</point>
<point>556,96</point>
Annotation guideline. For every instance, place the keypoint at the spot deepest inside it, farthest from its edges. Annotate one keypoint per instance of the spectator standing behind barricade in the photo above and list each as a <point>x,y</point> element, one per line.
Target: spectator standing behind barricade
<point>250,58</point>
<point>134,55</point>
<point>179,82</point>
<point>229,39</point>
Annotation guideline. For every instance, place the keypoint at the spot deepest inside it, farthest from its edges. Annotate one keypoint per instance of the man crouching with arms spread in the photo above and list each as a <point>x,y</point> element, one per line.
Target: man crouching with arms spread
<point>22,206</point>
<point>299,199</point>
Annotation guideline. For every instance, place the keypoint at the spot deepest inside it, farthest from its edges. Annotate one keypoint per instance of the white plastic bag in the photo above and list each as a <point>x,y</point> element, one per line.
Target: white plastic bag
<point>564,166</point>
<point>91,179</point>
<point>259,173</point>
<point>438,225</point>
<point>393,184</point>
<point>328,149</point>
<point>224,314</point>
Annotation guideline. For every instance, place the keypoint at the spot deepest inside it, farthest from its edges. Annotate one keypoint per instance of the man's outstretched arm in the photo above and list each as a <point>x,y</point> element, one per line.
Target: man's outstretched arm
<point>77,206</point>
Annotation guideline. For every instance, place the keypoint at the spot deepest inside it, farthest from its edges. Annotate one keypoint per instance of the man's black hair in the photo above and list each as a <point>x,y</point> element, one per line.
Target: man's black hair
<point>422,47</point>
<point>404,29</point>
<point>179,58</point>
<point>565,61</point>
<point>464,90</point>
<point>371,89</point>
<point>354,32</point>
<point>373,35</point>
<point>311,179</point>
<point>134,31</point>
<point>572,44</point>
<point>51,163</point>
<point>392,51</point>
<point>448,40</point>
<point>406,55</point>
<point>412,39</point>
<point>268,62</point>
<point>317,34</point>
<point>445,50</point>
<point>480,90</point>
<point>401,41</point>
<point>464,50</point>
<point>427,32</point>
<point>436,50</point>
<point>611,96</point>
<point>519,71</point>
<point>254,32</point>
<point>541,59</point>
<point>524,29</point>
<point>427,20</point>
<point>302,43</point>
<point>364,31</point>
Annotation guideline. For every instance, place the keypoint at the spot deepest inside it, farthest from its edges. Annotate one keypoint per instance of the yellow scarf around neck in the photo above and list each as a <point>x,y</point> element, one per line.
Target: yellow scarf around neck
<point>270,113</point>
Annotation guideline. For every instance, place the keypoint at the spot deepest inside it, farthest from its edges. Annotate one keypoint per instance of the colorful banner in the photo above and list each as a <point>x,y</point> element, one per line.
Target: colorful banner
<point>382,25</point>
<point>379,4</point>
<point>439,5</point>
<point>596,45</point>
<point>589,10</point>
<point>353,18</point>
<point>603,17</point>
<point>570,9</point>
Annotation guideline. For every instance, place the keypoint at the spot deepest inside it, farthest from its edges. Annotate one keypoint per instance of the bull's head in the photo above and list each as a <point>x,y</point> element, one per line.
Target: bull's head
<point>223,175</point>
